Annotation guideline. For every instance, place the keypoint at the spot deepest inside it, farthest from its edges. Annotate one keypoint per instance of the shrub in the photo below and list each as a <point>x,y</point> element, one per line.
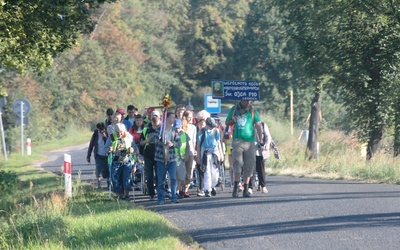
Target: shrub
<point>8,181</point>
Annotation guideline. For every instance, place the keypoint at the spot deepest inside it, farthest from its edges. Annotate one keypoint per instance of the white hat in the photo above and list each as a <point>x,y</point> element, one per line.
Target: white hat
<point>202,115</point>
<point>119,127</point>
<point>155,113</point>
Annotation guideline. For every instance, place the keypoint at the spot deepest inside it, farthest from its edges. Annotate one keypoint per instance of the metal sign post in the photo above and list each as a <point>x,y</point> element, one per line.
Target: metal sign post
<point>22,107</point>
<point>2,136</point>
<point>22,128</point>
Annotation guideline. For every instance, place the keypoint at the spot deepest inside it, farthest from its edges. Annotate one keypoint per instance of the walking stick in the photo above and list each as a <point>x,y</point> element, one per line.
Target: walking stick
<point>110,158</point>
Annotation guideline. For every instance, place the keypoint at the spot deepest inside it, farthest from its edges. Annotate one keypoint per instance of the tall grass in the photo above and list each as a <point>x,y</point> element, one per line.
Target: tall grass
<point>89,221</point>
<point>35,214</point>
<point>339,158</point>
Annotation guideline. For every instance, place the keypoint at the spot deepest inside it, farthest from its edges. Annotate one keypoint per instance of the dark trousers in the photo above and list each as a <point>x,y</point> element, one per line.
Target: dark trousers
<point>260,169</point>
<point>151,175</point>
<point>200,175</point>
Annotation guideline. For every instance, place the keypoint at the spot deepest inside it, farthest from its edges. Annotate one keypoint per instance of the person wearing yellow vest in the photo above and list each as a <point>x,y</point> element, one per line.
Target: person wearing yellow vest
<point>165,157</point>
<point>122,147</point>
<point>245,119</point>
<point>183,153</point>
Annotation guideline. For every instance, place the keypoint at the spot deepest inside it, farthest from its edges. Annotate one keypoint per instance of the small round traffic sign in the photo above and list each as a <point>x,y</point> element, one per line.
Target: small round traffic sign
<point>26,107</point>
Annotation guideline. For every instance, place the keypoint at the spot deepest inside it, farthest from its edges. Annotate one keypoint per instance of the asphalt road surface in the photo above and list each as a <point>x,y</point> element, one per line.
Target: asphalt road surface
<point>297,213</point>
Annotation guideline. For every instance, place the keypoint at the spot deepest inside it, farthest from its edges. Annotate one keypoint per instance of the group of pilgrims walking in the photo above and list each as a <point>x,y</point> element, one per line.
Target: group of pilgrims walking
<point>179,149</point>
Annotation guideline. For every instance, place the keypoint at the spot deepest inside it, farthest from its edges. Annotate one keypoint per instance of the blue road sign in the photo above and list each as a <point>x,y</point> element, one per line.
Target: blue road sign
<point>212,105</point>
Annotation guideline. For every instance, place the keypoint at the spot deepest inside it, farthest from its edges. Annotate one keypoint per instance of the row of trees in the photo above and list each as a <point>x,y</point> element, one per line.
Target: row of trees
<point>344,51</point>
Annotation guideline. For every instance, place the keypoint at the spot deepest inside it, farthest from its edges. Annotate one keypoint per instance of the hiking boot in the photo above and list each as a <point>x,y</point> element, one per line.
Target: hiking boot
<point>213,192</point>
<point>235,194</point>
<point>264,190</point>
<point>207,194</point>
<point>176,201</point>
<point>168,194</point>
<point>201,193</point>
<point>246,193</point>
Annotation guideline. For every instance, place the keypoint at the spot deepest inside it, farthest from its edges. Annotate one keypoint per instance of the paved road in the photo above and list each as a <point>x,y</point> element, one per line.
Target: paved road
<point>298,213</point>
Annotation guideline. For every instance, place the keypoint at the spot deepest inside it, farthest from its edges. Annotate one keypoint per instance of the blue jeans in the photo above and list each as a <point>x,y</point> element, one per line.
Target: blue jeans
<point>161,175</point>
<point>121,176</point>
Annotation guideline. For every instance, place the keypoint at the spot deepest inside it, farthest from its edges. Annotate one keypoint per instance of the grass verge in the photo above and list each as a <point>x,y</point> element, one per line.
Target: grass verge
<point>35,215</point>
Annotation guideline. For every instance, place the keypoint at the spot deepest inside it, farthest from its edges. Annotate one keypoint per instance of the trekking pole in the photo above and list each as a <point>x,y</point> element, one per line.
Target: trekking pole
<point>110,158</point>
<point>133,186</point>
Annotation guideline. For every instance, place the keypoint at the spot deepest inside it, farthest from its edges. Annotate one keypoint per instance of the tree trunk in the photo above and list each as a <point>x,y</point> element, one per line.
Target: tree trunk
<point>396,144</point>
<point>374,142</point>
<point>312,144</point>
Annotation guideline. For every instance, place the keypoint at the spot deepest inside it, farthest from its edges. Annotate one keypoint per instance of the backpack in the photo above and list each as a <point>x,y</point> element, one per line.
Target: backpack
<point>203,135</point>
<point>233,116</point>
<point>234,111</point>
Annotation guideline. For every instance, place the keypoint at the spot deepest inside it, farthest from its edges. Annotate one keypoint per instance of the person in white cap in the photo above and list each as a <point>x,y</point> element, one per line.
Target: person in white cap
<point>200,124</point>
<point>148,141</point>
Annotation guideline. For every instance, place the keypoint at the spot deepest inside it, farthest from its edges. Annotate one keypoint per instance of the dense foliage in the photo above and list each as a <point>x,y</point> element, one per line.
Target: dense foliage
<point>141,49</point>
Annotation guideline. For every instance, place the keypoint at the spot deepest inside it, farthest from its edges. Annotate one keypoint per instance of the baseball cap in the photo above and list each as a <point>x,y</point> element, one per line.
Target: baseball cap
<point>211,122</point>
<point>155,113</point>
<point>190,107</point>
<point>178,123</point>
<point>150,110</point>
<point>121,111</point>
